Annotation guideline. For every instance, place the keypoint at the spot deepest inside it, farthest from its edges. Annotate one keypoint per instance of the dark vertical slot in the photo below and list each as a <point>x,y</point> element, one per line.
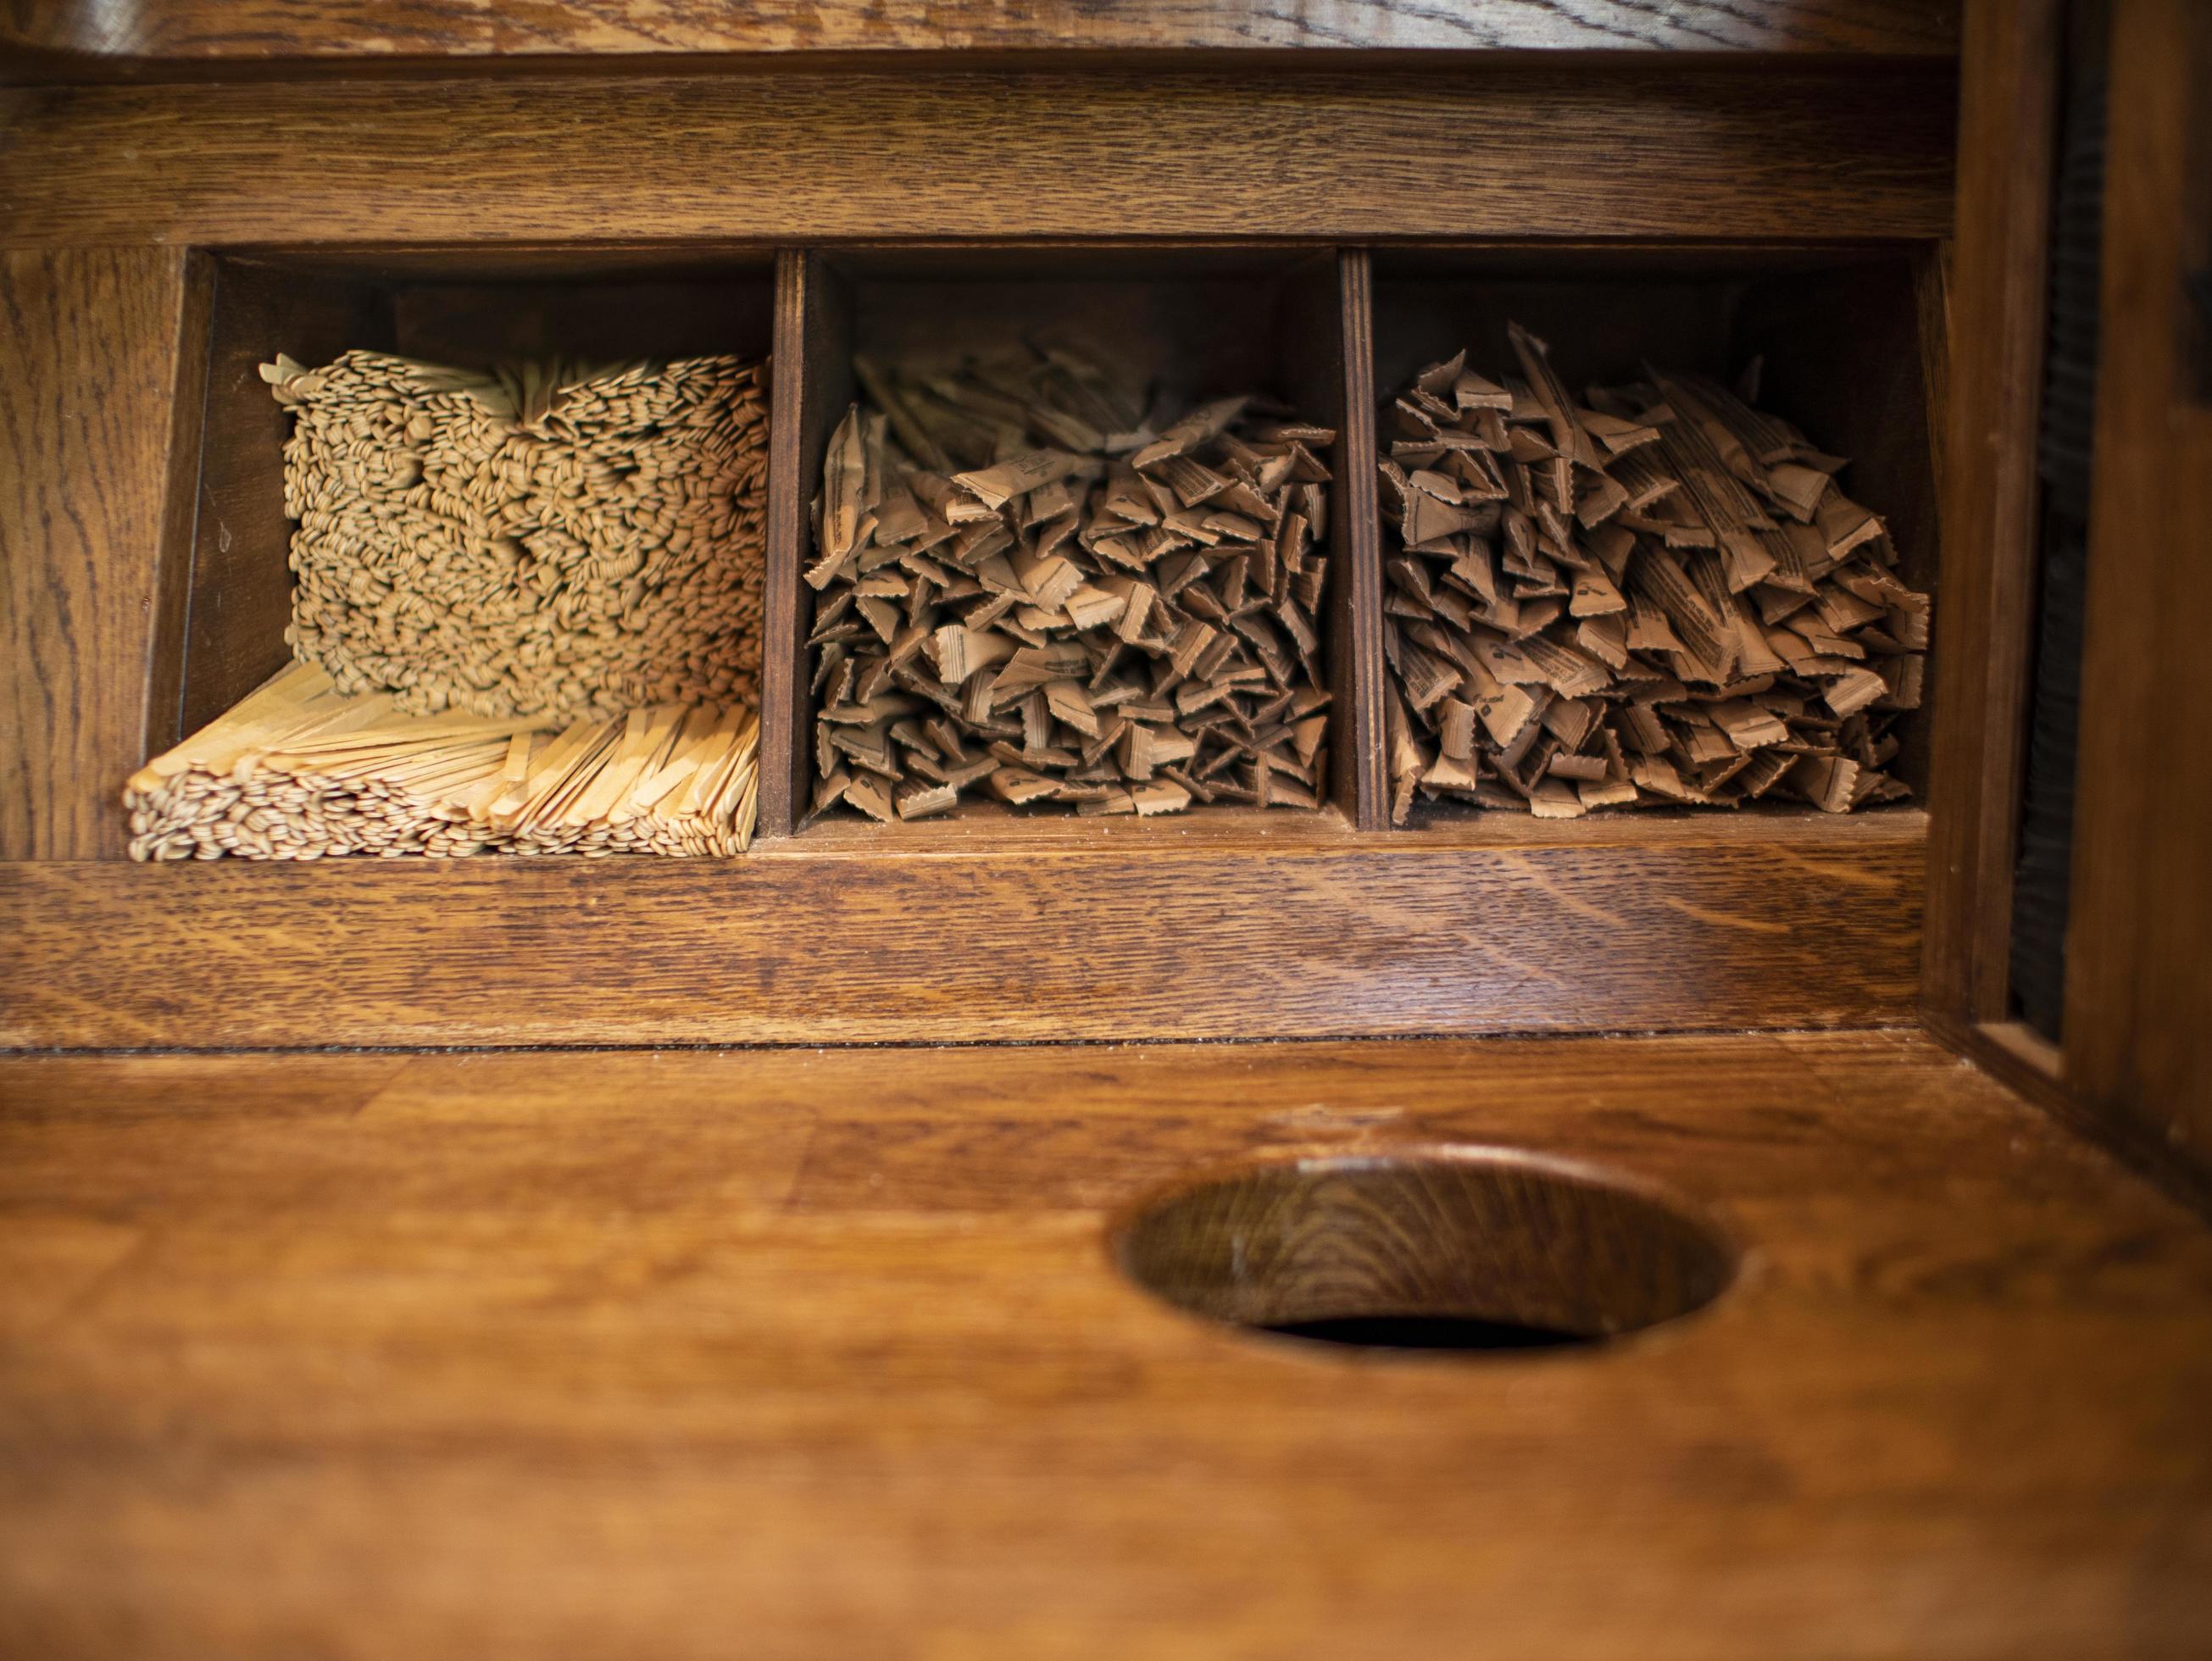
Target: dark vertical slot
<point>2041,878</point>
<point>2197,224</point>
<point>165,694</point>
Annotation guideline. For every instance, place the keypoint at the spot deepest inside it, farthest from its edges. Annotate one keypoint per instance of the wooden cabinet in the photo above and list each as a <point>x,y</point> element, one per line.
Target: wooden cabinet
<point>1783,186</point>
<point>815,1341</point>
<point>1319,225</point>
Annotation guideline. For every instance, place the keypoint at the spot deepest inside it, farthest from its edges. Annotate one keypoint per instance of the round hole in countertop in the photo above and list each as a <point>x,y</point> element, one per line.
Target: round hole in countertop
<point>1435,1250</point>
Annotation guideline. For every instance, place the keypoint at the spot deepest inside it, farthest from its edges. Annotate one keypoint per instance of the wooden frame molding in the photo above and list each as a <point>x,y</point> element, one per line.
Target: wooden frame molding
<point>2139,959</point>
<point>2134,1068</point>
<point>813,155</point>
<point>1043,930</point>
<point>1984,619</point>
<point>234,36</point>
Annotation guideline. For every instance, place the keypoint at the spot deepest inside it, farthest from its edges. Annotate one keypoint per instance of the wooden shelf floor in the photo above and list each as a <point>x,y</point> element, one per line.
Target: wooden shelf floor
<point>782,1353</point>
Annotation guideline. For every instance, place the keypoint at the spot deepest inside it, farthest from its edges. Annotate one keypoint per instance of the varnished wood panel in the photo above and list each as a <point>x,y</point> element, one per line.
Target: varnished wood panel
<point>101,378</point>
<point>1984,623</point>
<point>785,616</point>
<point>830,155</point>
<point>795,1355</point>
<point>1226,925</point>
<point>225,34</point>
<point>2139,944</point>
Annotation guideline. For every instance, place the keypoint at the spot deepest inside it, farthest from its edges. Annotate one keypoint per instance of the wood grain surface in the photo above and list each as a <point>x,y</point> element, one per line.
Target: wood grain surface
<point>2139,943</point>
<point>835,154</point>
<point>793,1355</point>
<point>1984,626</point>
<point>1217,926</point>
<point>225,34</point>
<point>101,378</point>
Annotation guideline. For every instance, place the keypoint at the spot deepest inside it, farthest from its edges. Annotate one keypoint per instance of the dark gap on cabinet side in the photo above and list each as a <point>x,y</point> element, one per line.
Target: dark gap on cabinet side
<point>2042,875</point>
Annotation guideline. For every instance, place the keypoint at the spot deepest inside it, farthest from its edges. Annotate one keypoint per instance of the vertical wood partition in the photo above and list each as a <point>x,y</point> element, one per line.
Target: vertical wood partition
<point>100,394</point>
<point>2139,968</point>
<point>1356,643</point>
<point>812,372</point>
<point>2008,113</point>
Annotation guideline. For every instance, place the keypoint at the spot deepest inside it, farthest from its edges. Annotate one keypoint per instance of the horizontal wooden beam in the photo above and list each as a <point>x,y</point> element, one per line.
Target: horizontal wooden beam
<point>1215,929</point>
<point>841,155</point>
<point>227,35</point>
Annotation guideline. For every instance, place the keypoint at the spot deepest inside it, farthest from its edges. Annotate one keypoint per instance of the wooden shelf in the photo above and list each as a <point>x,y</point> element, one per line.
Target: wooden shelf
<point>1320,326</point>
<point>661,213</point>
<point>992,925</point>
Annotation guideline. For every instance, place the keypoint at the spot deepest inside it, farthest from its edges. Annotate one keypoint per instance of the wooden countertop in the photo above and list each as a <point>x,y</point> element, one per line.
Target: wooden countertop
<point>782,1353</point>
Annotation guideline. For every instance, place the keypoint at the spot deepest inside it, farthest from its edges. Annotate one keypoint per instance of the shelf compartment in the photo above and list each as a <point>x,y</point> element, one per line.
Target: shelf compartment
<point>467,309</point>
<point>1848,337</point>
<point>471,311</point>
<point>1197,322</point>
<point>857,932</point>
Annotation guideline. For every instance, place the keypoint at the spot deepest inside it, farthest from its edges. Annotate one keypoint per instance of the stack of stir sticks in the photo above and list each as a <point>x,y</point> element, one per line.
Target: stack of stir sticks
<point>297,771</point>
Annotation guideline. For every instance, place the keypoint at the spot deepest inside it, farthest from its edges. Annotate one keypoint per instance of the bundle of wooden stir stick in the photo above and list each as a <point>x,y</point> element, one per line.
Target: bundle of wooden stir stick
<point>541,539</point>
<point>297,771</point>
